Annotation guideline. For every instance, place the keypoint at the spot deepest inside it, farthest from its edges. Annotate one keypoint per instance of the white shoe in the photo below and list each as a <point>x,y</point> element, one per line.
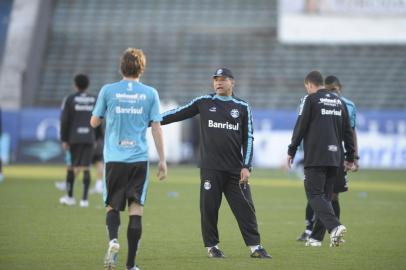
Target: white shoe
<point>66,200</point>
<point>61,185</point>
<point>311,242</point>
<point>133,268</point>
<point>84,203</point>
<point>336,236</point>
<point>110,260</point>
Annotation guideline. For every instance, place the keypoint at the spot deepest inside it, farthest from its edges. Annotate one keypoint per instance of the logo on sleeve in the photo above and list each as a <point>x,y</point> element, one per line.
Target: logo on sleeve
<point>235,113</point>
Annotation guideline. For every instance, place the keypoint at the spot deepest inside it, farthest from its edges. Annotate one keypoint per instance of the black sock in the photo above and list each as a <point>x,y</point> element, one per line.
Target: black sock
<point>133,237</point>
<point>70,178</point>
<point>113,223</point>
<point>309,217</point>
<point>336,207</point>
<point>86,184</point>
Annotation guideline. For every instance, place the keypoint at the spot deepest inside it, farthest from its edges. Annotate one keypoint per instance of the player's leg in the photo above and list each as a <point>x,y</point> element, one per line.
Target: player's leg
<point>1,171</point>
<point>309,221</point>
<point>316,184</point>
<point>136,193</point>
<point>97,160</point>
<point>341,185</point>
<point>86,153</point>
<point>98,186</point>
<point>70,157</point>
<point>211,188</point>
<point>114,198</point>
<point>240,200</point>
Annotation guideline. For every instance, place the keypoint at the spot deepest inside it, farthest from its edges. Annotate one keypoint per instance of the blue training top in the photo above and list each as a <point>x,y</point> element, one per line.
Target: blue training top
<point>352,111</point>
<point>128,107</point>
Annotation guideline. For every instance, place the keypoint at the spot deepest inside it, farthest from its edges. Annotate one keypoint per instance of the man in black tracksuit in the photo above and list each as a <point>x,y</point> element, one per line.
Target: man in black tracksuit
<point>322,124</point>
<point>226,136</point>
<point>78,137</point>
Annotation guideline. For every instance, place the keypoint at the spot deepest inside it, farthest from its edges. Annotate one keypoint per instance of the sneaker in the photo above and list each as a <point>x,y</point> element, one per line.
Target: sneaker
<point>84,203</point>
<point>97,189</point>
<point>260,253</point>
<point>304,236</point>
<point>311,242</point>
<point>61,185</point>
<point>133,268</point>
<point>66,200</point>
<point>214,252</point>
<point>336,236</point>
<point>110,260</point>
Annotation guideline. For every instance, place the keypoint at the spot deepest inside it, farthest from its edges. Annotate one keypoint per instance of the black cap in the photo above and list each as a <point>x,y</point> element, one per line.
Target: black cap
<point>225,72</point>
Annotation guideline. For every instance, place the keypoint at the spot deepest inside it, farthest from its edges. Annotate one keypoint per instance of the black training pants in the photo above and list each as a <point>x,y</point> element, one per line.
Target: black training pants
<point>213,184</point>
<point>318,184</point>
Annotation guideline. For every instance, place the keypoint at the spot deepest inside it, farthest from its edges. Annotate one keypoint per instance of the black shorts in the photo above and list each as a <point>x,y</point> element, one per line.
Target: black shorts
<point>98,152</point>
<point>81,154</point>
<point>341,181</point>
<point>125,182</point>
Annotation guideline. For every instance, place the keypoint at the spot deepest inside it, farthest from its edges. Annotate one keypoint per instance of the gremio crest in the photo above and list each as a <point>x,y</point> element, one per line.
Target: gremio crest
<point>235,113</point>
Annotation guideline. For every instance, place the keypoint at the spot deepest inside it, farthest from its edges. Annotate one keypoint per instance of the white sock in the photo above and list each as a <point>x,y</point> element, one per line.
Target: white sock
<point>253,248</point>
<point>208,248</point>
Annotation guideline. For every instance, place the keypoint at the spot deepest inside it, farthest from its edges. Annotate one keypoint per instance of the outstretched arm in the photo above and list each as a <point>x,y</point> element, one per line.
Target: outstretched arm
<point>181,113</point>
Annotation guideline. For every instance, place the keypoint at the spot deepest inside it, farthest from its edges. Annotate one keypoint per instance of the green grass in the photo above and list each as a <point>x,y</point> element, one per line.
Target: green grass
<point>38,233</point>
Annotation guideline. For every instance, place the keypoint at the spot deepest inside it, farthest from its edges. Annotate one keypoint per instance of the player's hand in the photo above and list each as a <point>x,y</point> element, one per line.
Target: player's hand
<point>162,170</point>
<point>244,175</point>
<point>349,166</point>
<point>356,165</point>
<point>65,146</point>
<point>289,162</point>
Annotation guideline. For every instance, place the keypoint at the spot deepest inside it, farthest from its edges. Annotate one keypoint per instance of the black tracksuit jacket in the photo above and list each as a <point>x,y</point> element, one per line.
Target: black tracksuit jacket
<point>226,131</point>
<point>323,124</point>
<point>75,118</point>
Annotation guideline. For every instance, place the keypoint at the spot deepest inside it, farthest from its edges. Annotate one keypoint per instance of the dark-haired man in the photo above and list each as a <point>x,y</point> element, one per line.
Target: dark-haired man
<point>77,138</point>
<point>341,182</point>
<point>322,124</point>
<point>226,149</point>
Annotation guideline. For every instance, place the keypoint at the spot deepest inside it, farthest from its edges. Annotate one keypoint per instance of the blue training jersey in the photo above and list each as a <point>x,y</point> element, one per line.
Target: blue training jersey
<point>128,107</point>
<point>352,112</point>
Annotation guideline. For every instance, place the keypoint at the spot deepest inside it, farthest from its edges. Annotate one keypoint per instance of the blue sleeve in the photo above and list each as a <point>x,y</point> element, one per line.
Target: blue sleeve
<point>154,114</point>
<point>351,114</point>
<point>101,104</point>
<point>354,117</point>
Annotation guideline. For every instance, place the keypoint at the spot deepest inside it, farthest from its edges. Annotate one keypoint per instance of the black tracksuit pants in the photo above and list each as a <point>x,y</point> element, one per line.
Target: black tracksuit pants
<point>213,184</point>
<point>319,182</point>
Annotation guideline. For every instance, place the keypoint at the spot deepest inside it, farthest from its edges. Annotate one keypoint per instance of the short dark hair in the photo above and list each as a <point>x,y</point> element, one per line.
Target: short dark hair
<point>81,82</point>
<point>132,63</point>
<point>314,77</point>
<point>332,83</point>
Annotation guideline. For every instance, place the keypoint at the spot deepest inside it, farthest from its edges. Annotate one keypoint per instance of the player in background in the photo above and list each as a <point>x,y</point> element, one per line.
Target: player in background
<point>127,107</point>
<point>77,138</point>
<point>341,182</point>
<point>226,148</point>
<point>97,161</point>
<point>323,125</point>
<point>1,163</point>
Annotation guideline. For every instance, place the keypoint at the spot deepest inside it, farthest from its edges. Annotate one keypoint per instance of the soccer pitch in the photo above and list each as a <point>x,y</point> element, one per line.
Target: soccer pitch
<point>38,233</point>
